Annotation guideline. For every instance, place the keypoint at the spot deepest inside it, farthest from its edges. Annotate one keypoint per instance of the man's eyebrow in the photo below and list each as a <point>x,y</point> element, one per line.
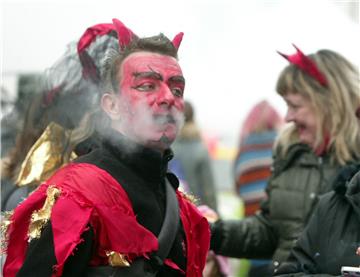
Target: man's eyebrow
<point>148,74</point>
<point>178,79</point>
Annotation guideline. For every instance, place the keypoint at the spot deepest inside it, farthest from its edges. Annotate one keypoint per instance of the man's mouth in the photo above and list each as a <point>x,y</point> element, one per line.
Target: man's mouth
<point>164,119</point>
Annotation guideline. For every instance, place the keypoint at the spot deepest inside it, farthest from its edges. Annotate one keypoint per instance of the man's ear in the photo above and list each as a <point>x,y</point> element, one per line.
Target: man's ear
<point>110,104</point>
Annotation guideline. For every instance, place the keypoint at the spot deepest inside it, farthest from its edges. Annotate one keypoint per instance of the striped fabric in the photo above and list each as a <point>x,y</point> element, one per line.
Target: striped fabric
<point>252,168</point>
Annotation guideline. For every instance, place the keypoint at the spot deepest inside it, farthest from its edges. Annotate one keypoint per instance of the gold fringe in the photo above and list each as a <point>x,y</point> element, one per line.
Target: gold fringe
<point>117,259</point>
<point>5,223</point>
<point>190,197</point>
<point>40,217</point>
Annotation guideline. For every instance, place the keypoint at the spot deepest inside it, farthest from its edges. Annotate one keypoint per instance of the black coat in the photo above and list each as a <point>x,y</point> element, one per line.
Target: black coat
<point>141,172</point>
<point>332,236</point>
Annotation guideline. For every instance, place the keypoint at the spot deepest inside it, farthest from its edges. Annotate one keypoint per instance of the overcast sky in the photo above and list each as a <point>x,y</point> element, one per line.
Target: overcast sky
<point>228,53</point>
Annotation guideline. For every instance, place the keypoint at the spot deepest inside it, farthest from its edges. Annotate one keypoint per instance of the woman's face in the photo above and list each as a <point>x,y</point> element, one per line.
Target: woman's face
<point>301,112</point>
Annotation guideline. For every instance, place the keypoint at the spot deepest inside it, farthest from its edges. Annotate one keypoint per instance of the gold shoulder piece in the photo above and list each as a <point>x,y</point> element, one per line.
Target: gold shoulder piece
<point>40,217</point>
<point>47,155</point>
<point>117,259</point>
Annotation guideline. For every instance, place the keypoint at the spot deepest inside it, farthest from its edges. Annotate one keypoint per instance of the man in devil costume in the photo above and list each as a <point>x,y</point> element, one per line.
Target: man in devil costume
<point>103,214</point>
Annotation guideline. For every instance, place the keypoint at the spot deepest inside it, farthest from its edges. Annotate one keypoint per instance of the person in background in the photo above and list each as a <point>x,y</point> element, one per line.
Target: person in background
<point>103,213</point>
<point>29,86</point>
<point>252,165</point>
<point>14,109</point>
<point>192,162</point>
<point>6,102</point>
<point>331,239</point>
<point>321,91</point>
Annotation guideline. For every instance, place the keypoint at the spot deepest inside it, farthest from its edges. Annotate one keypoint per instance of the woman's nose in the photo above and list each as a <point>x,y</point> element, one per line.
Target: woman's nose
<point>290,115</point>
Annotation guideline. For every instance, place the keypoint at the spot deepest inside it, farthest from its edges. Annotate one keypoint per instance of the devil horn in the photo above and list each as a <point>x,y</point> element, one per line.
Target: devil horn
<point>177,40</point>
<point>306,64</point>
<point>298,50</point>
<point>125,35</point>
<point>283,55</point>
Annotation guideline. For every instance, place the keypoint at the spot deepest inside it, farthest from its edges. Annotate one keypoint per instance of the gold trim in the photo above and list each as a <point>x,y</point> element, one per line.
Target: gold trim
<point>117,259</point>
<point>40,217</point>
<point>4,226</point>
<point>191,197</point>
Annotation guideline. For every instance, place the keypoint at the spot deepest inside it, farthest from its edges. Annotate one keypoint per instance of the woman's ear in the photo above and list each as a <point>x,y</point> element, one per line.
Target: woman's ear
<point>110,104</point>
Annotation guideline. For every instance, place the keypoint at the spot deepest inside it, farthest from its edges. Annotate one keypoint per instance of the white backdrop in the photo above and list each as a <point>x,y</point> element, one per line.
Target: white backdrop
<point>228,53</point>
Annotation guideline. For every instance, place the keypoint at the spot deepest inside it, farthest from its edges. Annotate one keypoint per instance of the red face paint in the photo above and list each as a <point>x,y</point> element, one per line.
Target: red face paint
<point>151,99</point>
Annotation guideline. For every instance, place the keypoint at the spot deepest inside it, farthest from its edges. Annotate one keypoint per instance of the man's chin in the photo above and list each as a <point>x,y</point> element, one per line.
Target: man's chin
<point>168,134</point>
<point>163,142</point>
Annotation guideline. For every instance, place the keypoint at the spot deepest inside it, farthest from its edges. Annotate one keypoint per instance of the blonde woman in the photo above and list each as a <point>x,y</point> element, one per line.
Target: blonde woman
<point>323,135</point>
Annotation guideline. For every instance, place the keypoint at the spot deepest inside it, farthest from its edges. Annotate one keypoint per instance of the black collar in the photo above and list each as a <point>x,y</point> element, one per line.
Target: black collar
<point>149,163</point>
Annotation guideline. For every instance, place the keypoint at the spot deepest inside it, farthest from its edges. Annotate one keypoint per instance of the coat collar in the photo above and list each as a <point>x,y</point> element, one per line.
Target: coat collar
<point>345,182</point>
<point>347,185</point>
<point>152,165</point>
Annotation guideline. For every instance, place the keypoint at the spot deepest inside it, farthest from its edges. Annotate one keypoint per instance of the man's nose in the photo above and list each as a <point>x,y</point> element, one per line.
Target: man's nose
<point>166,97</point>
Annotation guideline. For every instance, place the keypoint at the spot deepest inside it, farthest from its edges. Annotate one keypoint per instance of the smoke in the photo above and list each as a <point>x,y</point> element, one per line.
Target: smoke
<point>149,125</point>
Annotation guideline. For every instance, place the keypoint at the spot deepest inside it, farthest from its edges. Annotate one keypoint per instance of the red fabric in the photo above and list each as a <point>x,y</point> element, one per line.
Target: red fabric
<point>91,33</point>
<point>90,194</point>
<point>306,64</point>
<point>197,232</point>
<point>67,218</point>
<point>17,232</point>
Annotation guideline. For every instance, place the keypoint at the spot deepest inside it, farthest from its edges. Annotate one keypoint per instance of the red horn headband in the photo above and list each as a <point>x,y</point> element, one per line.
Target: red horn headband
<point>125,36</point>
<point>305,64</point>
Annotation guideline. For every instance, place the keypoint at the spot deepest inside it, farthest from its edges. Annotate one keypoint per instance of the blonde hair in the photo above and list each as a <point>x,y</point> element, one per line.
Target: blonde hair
<point>335,104</point>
